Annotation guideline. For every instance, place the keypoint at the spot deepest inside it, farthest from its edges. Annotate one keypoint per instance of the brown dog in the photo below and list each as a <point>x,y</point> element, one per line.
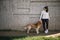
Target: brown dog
<point>35,26</point>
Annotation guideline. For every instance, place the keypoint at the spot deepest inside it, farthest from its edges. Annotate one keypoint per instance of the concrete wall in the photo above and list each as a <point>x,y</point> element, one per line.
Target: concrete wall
<point>15,14</point>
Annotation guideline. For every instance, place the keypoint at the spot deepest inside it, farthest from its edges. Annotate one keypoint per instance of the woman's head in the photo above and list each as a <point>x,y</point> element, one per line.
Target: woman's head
<point>46,8</point>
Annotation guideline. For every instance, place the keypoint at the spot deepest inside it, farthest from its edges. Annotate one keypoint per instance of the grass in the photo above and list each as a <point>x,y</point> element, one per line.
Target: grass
<point>30,38</point>
<point>37,38</point>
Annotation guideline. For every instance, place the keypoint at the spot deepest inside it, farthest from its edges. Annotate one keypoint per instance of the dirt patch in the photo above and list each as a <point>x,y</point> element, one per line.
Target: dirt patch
<point>23,33</point>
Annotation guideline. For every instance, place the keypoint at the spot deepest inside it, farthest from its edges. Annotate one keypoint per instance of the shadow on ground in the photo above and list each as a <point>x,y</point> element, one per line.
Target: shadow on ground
<point>10,35</point>
<point>11,38</point>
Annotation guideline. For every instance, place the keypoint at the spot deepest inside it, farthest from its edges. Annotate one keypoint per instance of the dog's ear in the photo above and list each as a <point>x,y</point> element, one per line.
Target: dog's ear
<point>40,21</point>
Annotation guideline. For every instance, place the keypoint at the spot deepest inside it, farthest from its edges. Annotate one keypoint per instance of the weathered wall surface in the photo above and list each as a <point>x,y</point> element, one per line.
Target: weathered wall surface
<point>15,14</point>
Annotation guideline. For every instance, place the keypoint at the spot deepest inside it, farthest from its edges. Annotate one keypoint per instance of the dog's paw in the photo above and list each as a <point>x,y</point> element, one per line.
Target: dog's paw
<point>37,32</point>
<point>27,32</point>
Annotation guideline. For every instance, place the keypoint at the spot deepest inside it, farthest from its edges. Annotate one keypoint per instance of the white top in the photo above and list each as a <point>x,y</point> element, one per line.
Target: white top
<point>44,15</point>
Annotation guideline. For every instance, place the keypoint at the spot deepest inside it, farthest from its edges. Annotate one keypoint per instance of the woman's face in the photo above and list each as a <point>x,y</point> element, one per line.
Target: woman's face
<point>44,9</point>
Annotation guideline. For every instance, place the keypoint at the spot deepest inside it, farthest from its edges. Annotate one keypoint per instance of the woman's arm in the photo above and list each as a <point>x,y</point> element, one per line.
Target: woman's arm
<point>41,15</point>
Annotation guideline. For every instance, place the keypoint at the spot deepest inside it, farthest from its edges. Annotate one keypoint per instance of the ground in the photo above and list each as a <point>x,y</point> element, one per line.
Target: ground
<point>23,34</point>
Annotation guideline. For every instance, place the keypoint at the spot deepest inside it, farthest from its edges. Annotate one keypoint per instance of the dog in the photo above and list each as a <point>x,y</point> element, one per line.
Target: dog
<point>35,26</point>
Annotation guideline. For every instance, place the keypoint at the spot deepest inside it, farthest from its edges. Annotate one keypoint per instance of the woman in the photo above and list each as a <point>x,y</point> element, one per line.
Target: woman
<point>45,18</point>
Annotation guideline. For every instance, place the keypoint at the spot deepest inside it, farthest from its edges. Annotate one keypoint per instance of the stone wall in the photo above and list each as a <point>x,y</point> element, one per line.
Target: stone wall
<point>15,14</point>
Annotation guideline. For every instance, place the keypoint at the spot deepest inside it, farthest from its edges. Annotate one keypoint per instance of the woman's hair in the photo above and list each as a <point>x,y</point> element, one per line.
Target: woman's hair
<point>46,7</point>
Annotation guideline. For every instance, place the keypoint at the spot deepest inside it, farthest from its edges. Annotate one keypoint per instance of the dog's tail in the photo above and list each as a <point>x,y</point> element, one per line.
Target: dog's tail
<point>25,27</point>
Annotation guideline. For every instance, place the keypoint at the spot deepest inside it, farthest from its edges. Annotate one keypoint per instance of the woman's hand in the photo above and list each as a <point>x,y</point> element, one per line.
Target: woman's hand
<point>39,20</point>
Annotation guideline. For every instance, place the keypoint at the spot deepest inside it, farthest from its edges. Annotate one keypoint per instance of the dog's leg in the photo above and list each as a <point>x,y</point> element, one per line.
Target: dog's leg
<point>29,27</point>
<point>37,30</point>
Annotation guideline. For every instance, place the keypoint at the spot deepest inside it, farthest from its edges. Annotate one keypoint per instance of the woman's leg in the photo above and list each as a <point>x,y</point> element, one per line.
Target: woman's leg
<point>43,21</point>
<point>47,22</point>
<point>46,31</point>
